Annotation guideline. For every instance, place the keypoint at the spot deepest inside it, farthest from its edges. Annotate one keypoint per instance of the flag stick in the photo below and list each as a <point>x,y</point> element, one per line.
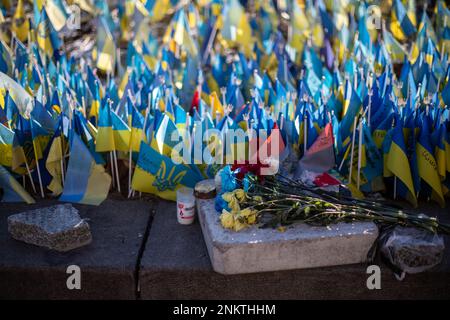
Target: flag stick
<point>83,105</point>
<point>112,168</point>
<point>129,171</point>
<point>210,44</point>
<point>305,133</point>
<point>62,151</point>
<point>342,162</point>
<point>395,187</point>
<point>38,171</point>
<point>359,154</point>
<point>443,46</point>
<point>147,110</point>
<point>353,149</point>
<point>117,169</point>
<point>369,107</point>
<point>223,90</point>
<point>62,171</point>
<point>29,175</point>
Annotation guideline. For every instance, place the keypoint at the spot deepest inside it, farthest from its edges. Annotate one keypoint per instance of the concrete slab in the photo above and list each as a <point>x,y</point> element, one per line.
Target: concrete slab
<point>107,265</point>
<point>300,246</point>
<point>175,265</point>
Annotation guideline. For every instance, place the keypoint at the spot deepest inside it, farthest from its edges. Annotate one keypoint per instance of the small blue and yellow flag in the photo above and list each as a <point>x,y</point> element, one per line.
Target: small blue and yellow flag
<point>105,136</point>
<point>12,190</point>
<point>157,174</point>
<point>47,38</point>
<point>398,164</point>
<point>56,13</point>
<point>20,24</point>
<point>137,128</point>
<point>426,162</point>
<point>105,53</point>
<point>86,181</point>
<point>5,58</point>
<point>402,22</point>
<point>121,132</point>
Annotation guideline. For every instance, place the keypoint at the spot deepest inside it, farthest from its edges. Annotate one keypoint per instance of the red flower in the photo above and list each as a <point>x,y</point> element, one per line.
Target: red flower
<point>242,169</point>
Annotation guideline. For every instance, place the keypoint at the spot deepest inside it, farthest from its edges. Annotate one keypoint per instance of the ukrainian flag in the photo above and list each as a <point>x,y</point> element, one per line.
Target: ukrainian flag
<point>352,106</point>
<point>47,38</point>
<point>40,138</point>
<point>428,170</point>
<point>55,105</point>
<point>180,119</point>
<point>402,26</point>
<point>398,164</point>
<point>157,8</point>
<point>137,129</point>
<point>86,181</point>
<point>5,58</point>
<point>235,28</point>
<point>21,24</point>
<point>56,13</point>
<point>157,174</point>
<point>121,132</point>
<point>3,118</point>
<point>439,139</point>
<point>396,52</point>
<point>13,191</point>
<point>37,8</point>
<point>105,136</point>
<point>6,146</point>
<point>380,132</point>
<point>95,104</point>
<point>22,144</point>
<point>166,136</point>
<point>105,54</point>
<point>180,33</point>
<point>53,163</point>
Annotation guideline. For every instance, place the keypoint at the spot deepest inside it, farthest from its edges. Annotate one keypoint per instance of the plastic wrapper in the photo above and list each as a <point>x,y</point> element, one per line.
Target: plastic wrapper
<point>411,250</point>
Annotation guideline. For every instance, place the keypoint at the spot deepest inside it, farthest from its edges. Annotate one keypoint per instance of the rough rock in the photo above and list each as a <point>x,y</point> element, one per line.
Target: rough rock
<point>58,227</point>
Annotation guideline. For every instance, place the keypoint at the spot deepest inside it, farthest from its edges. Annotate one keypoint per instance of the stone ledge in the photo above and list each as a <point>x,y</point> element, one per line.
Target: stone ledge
<point>107,265</point>
<point>176,265</point>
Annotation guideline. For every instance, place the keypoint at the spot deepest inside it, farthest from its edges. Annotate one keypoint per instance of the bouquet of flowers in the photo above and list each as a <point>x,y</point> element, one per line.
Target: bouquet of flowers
<point>280,201</point>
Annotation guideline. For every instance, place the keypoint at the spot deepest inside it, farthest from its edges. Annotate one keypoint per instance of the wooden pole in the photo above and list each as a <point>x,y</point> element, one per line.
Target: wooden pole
<point>352,151</point>
<point>38,170</point>
<point>29,175</point>
<point>305,133</point>
<point>112,168</point>
<point>359,154</point>
<point>129,170</point>
<point>117,170</point>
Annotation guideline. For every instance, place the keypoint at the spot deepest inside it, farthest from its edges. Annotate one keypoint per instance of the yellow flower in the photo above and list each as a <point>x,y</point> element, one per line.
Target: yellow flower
<point>238,225</point>
<point>227,196</point>
<point>240,194</point>
<point>246,212</point>
<point>251,219</point>
<point>234,205</point>
<point>227,219</point>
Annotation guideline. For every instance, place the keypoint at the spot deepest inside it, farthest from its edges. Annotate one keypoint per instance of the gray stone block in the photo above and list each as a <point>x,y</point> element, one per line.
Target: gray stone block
<point>57,227</point>
<point>300,246</point>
